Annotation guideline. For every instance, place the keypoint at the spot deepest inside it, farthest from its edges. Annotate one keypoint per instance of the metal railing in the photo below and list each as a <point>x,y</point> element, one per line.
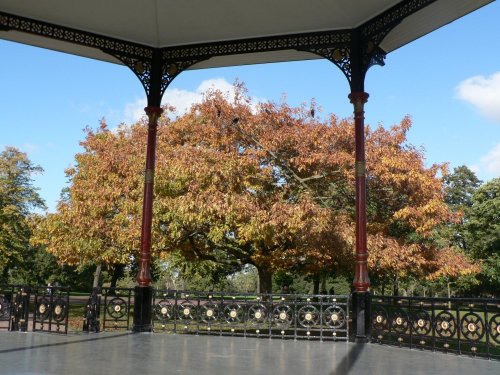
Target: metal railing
<point>51,309</point>
<point>456,325</point>
<point>292,316</point>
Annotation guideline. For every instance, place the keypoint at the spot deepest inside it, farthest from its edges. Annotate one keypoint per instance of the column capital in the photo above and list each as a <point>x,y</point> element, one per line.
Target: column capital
<point>358,98</point>
<point>153,112</point>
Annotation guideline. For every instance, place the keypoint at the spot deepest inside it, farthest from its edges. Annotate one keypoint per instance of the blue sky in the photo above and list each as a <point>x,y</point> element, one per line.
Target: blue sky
<point>448,81</point>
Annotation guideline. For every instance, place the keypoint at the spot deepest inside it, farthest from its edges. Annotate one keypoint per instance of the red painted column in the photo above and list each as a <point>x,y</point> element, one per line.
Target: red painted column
<point>361,281</point>
<point>144,274</point>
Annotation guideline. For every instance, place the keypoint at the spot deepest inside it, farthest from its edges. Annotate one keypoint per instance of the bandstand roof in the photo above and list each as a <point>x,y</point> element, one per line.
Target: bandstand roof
<point>168,23</point>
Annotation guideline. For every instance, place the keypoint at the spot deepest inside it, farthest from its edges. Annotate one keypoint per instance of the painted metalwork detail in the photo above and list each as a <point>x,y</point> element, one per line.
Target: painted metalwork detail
<point>446,325</point>
<point>233,313</point>
<point>92,313</point>
<point>4,308</point>
<point>334,316</point>
<point>422,323</point>
<point>117,308</point>
<point>303,42</point>
<point>210,313</point>
<point>186,311</point>
<point>51,309</point>
<point>107,44</point>
<point>257,314</point>
<point>472,326</point>
<point>456,325</point>
<point>494,328</point>
<point>283,316</point>
<point>339,46</point>
<point>7,306</point>
<point>308,316</point>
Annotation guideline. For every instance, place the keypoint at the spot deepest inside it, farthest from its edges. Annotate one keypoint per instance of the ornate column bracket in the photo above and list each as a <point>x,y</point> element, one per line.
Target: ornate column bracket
<point>143,69</point>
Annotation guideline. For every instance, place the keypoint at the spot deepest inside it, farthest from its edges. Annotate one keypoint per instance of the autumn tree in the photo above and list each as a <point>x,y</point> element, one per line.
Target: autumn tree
<point>269,185</point>
<point>97,220</point>
<point>18,198</point>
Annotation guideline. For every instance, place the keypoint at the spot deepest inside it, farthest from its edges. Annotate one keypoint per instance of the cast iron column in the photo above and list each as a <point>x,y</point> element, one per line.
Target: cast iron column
<point>143,290</point>
<point>361,283</point>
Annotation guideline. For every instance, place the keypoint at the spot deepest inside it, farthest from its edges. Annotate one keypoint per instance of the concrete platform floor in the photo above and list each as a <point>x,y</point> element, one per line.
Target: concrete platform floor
<point>144,354</point>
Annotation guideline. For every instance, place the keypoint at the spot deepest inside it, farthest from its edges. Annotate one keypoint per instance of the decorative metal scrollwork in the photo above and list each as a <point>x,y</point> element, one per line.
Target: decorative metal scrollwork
<point>233,313</point>
<point>283,315</point>
<point>399,322</point>
<point>472,326</point>
<point>4,308</point>
<point>445,324</point>
<point>43,309</point>
<point>186,311</point>
<point>209,313</point>
<point>380,318</point>
<point>334,317</point>
<point>163,311</point>
<point>60,310</point>
<point>117,308</point>
<point>257,314</point>
<point>308,316</point>
<point>494,328</point>
<point>422,324</point>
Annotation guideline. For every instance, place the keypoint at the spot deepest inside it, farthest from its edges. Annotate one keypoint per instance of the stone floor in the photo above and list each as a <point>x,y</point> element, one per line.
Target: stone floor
<point>141,354</point>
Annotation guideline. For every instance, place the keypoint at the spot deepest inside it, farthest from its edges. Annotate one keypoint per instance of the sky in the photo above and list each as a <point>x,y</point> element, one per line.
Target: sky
<point>447,81</point>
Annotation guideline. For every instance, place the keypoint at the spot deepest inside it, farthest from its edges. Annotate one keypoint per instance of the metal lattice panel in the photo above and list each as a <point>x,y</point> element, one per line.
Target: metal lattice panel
<point>462,326</point>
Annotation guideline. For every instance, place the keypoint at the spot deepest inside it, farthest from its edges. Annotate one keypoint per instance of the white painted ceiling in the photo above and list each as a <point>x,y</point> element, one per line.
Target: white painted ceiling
<point>165,23</point>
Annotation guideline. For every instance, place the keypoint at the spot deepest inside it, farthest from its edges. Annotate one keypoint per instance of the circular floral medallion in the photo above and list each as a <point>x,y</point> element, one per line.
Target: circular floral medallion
<point>379,319</point>
<point>421,323</point>
<point>308,317</point>
<point>283,316</point>
<point>233,313</point>
<point>118,308</point>
<point>334,317</point>
<point>471,327</point>
<point>210,313</point>
<point>186,311</point>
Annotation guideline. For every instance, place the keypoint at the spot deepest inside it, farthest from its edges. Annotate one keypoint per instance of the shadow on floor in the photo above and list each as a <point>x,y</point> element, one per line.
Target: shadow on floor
<point>91,338</point>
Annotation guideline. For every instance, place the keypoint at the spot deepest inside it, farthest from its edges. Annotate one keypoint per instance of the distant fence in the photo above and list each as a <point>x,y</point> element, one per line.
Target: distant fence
<point>456,325</point>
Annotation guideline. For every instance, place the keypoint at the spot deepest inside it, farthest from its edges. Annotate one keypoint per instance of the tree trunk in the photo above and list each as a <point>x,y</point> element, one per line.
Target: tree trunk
<point>117,273</point>
<point>316,284</point>
<point>395,286</point>
<point>323,284</point>
<point>265,283</point>
<point>97,274</point>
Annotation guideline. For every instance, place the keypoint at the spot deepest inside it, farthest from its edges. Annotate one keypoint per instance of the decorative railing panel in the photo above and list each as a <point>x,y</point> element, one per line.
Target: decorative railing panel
<point>51,309</point>
<point>263,315</point>
<point>7,294</point>
<point>456,325</point>
<point>117,308</point>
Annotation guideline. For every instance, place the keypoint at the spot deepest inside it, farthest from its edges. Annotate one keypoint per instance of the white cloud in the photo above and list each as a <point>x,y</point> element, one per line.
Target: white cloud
<point>182,100</point>
<point>134,111</point>
<point>491,161</point>
<point>483,93</point>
